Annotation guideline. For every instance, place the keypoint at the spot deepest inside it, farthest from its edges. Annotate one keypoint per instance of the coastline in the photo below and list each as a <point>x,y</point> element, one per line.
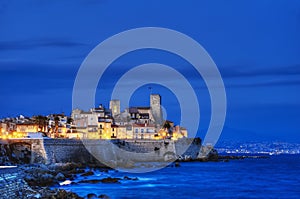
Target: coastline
<point>43,181</point>
<point>53,180</point>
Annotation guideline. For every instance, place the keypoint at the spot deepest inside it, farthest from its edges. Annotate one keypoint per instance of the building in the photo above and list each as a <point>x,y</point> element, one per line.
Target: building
<point>144,131</point>
<point>132,123</point>
<point>155,104</point>
<point>28,128</point>
<point>93,124</point>
<point>114,106</point>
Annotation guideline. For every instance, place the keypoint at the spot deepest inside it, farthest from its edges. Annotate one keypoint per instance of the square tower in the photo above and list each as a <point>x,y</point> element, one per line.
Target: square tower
<point>114,106</point>
<point>155,105</point>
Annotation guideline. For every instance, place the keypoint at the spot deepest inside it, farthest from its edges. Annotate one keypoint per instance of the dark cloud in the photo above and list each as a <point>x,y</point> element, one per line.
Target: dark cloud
<point>38,43</point>
<point>266,83</point>
<point>253,71</point>
<point>28,77</point>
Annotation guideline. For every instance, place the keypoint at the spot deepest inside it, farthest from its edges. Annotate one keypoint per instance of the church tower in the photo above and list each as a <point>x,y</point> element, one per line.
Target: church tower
<point>155,105</point>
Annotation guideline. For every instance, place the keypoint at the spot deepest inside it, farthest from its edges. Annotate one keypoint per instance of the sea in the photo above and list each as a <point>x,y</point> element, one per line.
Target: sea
<point>277,176</point>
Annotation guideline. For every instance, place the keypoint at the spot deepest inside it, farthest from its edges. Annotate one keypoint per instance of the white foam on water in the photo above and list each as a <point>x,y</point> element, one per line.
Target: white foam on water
<point>7,167</point>
<point>67,182</point>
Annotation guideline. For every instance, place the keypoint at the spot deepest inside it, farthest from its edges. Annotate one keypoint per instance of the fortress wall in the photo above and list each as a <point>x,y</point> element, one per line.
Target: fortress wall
<point>66,150</point>
<point>188,147</point>
<point>71,150</point>
<point>27,150</point>
<point>145,150</point>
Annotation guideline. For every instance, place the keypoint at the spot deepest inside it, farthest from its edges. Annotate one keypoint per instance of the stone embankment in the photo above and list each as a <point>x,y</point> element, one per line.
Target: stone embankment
<point>48,151</point>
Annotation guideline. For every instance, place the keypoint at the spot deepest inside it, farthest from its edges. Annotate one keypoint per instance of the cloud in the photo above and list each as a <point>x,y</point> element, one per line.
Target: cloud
<point>38,43</point>
<point>247,71</point>
<point>28,77</point>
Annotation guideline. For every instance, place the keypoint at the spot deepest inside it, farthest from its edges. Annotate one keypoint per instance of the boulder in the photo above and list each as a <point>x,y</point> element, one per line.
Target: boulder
<point>89,173</point>
<point>90,181</point>
<point>91,196</point>
<point>60,177</point>
<point>110,180</point>
<point>46,180</point>
<point>103,196</point>
<point>129,178</point>
<point>63,194</point>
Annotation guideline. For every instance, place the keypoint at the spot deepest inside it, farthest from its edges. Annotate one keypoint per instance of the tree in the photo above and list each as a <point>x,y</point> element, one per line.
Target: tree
<point>168,128</point>
<point>41,121</point>
<point>69,120</point>
<point>167,125</point>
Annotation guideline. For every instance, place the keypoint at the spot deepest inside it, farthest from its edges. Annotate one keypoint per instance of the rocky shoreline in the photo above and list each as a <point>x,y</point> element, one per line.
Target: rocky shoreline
<point>40,177</point>
<point>36,179</point>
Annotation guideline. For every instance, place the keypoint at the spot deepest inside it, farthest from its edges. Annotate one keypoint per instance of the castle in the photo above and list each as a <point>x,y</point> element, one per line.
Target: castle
<point>98,123</point>
<point>132,123</point>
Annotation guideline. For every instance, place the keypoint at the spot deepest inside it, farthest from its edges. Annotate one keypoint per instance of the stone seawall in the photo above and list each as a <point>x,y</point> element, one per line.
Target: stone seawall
<point>11,185</point>
<point>188,148</point>
<point>85,151</point>
<point>66,150</point>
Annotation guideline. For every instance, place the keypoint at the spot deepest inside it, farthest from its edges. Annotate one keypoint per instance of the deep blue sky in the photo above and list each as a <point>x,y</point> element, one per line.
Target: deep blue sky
<point>255,44</point>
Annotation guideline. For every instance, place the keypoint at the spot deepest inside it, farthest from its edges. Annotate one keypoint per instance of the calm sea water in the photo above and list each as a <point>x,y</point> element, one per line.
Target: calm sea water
<point>276,177</point>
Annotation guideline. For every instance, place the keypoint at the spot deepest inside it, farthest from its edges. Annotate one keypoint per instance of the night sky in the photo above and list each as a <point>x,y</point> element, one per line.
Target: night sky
<point>254,43</point>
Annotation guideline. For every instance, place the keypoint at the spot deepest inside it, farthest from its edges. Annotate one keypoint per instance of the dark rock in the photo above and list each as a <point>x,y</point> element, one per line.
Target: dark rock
<point>74,171</point>
<point>60,167</point>
<point>104,170</point>
<point>128,178</point>
<point>177,164</point>
<point>63,194</point>
<point>203,159</point>
<point>103,196</point>
<point>29,178</point>
<point>90,181</point>
<point>60,177</point>
<point>46,180</point>
<point>89,173</point>
<point>39,178</point>
<point>47,193</point>
<point>37,170</point>
<point>91,196</point>
<point>110,180</point>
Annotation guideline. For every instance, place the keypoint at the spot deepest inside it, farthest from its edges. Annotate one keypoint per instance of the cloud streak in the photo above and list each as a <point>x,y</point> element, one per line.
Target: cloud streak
<point>39,43</point>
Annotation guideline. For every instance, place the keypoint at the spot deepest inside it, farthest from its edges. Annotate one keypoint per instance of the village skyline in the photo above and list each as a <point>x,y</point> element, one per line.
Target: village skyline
<point>140,122</point>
